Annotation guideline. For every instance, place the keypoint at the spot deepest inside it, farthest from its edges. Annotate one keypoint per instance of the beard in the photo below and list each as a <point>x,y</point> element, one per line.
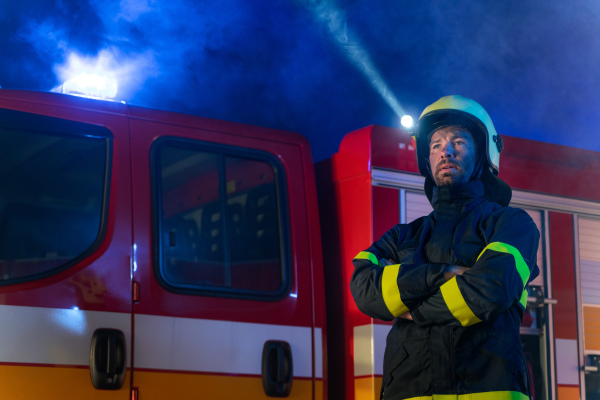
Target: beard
<point>459,174</point>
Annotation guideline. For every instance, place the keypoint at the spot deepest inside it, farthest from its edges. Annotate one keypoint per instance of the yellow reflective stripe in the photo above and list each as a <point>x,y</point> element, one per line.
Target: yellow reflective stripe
<point>522,267</point>
<point>523,300</point>
<point>389,284</point>
<point>365,255</point>
<point>390,291</point>
<point>456,303</point>
<point>475,396</point>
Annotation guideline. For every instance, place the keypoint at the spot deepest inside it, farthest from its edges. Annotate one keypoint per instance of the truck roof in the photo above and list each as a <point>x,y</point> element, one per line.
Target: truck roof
<point>10,98</point>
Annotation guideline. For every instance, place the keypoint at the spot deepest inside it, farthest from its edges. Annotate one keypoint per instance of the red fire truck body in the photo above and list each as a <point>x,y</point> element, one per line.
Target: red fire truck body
<point>149,254</point>
<point>374,182</point>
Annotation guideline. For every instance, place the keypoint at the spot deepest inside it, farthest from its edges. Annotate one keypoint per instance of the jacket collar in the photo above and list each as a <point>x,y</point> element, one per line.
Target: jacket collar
<point>454,199</point>
<point>495,189</point>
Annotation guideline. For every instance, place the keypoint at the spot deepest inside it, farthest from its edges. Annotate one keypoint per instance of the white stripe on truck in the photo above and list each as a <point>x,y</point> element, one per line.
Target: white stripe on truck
<point>187,344</point>
<point>38,335</point>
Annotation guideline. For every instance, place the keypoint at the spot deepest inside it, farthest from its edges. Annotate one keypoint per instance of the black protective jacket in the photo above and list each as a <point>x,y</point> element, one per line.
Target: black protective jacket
<point>464,337</point>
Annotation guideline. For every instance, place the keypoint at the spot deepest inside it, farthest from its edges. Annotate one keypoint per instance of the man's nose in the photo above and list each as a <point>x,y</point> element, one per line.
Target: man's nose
<point>448,151</point>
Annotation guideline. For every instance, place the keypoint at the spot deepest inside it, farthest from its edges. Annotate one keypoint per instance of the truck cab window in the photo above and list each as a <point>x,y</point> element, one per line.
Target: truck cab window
<point>219,221</point>
<point>53,179</point>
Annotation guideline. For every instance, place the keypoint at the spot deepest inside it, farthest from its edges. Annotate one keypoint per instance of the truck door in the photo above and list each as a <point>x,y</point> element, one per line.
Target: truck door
<point>65,240</point>
<point>221,262</point>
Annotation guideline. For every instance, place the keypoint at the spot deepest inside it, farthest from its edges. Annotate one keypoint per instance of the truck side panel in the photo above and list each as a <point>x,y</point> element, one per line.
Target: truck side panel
<point>65,233</point>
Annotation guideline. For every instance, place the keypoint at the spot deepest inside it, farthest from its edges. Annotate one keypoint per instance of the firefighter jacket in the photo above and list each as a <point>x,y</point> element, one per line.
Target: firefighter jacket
<point>464,337</point>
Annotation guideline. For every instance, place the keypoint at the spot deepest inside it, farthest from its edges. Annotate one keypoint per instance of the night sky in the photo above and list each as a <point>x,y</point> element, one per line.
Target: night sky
<point>323,67</point>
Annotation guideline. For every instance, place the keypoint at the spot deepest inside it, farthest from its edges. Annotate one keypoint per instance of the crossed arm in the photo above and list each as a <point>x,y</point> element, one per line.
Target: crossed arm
<point>445,294</point>
<point>450,271</point>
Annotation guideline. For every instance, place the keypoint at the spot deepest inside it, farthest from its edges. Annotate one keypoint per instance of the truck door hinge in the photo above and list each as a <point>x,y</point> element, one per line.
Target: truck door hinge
<point>135,292</point>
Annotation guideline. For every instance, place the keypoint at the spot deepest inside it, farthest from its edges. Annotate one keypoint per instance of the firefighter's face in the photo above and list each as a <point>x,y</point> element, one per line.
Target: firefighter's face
<point>452,155</point>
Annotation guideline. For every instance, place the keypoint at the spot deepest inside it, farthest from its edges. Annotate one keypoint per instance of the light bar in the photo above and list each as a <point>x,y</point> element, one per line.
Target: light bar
<point>91,85</point>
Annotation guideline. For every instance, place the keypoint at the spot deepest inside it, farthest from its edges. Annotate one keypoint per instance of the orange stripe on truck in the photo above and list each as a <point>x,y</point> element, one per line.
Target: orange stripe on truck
<point>160,385</point>
<point>23,381</point>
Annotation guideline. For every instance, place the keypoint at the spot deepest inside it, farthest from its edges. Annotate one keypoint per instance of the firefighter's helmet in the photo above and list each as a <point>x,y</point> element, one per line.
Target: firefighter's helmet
<point>460,111</point>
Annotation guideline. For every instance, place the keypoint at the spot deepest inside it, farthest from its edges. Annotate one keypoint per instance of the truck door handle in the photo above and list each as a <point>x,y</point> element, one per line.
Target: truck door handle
<point>277,368</point>
<point>108,359</point>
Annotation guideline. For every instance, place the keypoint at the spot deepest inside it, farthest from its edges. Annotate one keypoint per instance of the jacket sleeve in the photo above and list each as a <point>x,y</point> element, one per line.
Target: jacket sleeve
<point>386,291</point>
<point>498,279</point>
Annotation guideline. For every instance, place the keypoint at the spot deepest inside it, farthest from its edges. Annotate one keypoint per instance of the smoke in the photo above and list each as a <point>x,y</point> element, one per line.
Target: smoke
<point>327,12</point>
<point>322,67</point>
<point>266,63</point>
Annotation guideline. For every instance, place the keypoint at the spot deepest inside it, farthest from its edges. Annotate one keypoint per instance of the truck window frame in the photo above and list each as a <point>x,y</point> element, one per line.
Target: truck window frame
<point>44,124</point>
<point>281,188</point>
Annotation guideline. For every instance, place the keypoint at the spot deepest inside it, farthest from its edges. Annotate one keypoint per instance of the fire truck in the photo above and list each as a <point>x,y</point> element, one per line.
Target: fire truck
<point>146,254</point>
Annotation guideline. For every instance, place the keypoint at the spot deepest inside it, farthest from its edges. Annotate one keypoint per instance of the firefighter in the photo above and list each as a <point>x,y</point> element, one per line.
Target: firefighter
<point>455,281</point>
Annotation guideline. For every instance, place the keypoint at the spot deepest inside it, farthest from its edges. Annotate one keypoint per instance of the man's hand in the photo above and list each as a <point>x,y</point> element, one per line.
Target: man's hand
<point>406,315</point>
<point>450,271</point>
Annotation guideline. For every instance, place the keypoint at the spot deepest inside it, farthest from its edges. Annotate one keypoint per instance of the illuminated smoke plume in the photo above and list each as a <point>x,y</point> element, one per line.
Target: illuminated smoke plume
<point>328,13</point>
<point>322,67</point>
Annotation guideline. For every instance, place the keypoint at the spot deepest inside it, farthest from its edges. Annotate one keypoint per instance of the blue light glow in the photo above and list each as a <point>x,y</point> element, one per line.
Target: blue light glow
<point>134,260</point>
<point>92,85</point>
<point>104,75</point>
<point>328,13</point>
<point>73,320</point>
<point>88,76</point>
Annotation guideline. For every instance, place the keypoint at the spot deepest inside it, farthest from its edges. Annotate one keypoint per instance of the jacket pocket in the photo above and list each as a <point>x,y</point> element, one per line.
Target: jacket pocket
<point>407,369</point>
